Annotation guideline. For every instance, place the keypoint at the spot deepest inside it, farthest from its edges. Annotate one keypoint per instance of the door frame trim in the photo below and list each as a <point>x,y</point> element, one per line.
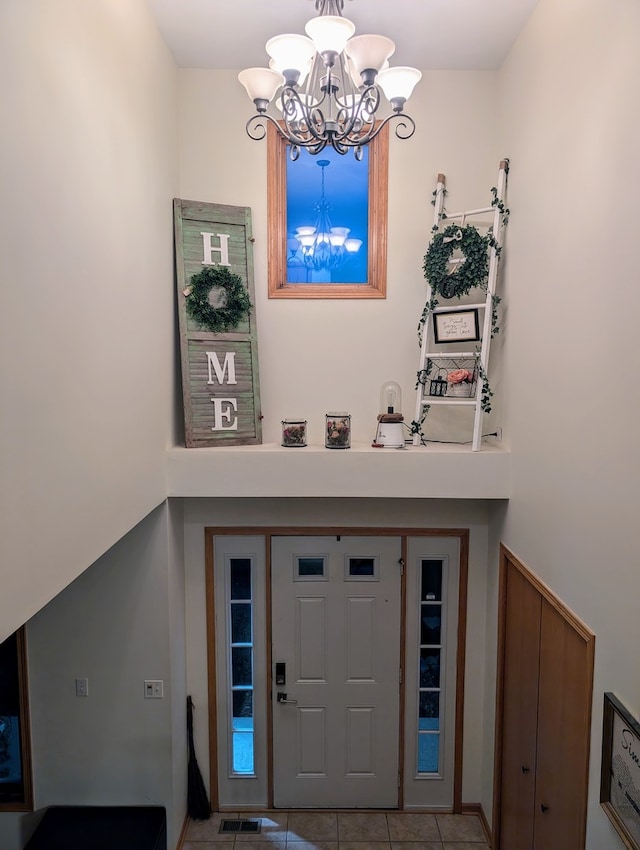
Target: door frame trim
<point>507,558</point>
<point>211,532</point>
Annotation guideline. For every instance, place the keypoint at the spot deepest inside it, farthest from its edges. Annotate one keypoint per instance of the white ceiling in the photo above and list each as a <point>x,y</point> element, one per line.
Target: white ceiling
<point>429,34</point>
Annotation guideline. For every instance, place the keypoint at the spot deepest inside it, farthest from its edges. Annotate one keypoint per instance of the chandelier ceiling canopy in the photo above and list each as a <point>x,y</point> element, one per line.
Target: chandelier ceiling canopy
<point>346,78</point>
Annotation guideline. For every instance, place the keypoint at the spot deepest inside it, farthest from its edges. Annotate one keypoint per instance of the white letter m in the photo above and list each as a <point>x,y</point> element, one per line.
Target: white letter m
<point>229,364</point>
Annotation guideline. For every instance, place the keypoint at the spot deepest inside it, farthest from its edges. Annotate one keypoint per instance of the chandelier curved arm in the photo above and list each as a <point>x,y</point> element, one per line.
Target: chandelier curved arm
<point>256,127</point>
<point>305,125</point>
<point>359,119</point>
<point>405,128</point>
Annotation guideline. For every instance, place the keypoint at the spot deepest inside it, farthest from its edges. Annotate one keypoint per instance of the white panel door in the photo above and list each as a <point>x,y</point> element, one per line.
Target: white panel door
<point>336,642</point>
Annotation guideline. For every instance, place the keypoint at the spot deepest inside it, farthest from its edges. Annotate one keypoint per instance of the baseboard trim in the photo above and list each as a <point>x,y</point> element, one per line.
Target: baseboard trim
<point>183,832</point>
<point>476,809</point>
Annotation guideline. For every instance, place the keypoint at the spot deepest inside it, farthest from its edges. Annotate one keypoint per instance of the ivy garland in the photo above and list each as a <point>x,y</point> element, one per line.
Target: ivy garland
<point>237,305</point>
<point>469,273</point>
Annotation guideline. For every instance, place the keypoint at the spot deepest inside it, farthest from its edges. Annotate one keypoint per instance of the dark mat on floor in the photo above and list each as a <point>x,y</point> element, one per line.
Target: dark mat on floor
<point>101,828</point>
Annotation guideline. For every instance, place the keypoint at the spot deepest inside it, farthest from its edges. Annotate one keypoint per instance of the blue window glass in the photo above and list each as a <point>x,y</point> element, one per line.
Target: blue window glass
<point>428,753</point>
<point>327,218</point>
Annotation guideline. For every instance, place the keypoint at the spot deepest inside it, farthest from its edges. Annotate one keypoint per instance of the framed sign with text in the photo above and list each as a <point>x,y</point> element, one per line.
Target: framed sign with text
<point>620,779</point>
<point>218,341</point>
<point>456,326</point>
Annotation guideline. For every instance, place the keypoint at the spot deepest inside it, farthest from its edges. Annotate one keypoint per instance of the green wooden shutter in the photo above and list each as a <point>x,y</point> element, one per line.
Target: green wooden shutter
<point>217,412</point>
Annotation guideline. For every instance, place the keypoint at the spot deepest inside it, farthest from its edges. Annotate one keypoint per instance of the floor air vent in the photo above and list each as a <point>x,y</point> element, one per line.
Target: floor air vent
<point>238,825</point>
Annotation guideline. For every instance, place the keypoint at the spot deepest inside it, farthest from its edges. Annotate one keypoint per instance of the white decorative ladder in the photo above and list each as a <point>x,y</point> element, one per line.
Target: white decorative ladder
<point>424,400</point>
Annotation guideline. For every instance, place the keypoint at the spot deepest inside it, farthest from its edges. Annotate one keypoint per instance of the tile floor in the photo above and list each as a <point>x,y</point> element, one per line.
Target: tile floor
<point>342,831</point>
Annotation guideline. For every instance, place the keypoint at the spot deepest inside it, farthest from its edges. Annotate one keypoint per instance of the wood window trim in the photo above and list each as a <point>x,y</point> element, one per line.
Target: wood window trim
<point>279,287</point>
<point>26,805</point>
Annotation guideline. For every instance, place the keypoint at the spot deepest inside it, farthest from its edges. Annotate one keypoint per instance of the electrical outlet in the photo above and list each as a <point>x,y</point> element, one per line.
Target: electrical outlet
<point>153,689</point>
<point>82,687</point>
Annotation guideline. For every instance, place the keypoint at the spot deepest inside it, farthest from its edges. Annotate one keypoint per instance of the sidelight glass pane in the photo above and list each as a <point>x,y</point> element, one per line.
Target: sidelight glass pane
<point>429,668</point>
<point>240,578</point>
<point>428,753</point>
<point>241,622</point>
<point>429,725</point>
<point>243,706</point>
<point>430,625</point>
<point>431,580</point>
<point>429,711</point>
<point>241,667</point>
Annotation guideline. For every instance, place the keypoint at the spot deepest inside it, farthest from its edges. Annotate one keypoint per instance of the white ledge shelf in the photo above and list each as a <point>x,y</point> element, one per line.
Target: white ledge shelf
<point>435,471</point>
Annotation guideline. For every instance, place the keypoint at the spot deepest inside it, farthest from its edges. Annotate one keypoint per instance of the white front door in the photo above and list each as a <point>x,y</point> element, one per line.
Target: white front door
<point>336,671</point>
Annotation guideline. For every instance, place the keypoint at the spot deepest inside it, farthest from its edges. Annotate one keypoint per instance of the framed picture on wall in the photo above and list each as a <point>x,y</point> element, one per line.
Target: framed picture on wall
<point>620,777</point>
<point>456,326</point>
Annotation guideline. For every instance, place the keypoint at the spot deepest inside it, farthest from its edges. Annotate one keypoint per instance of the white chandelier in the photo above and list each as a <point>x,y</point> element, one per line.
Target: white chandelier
<point>323,246</point>
<point>345,75</point>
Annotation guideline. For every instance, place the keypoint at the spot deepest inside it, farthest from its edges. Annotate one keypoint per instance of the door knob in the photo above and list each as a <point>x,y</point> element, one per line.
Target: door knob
<point>282,697</point>
<point>526,769</point>
<point>544,808</point>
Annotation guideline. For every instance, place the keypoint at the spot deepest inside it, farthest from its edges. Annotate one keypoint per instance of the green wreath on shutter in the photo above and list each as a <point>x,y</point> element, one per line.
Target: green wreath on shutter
<point>471,272</point>
<point>237,304</point>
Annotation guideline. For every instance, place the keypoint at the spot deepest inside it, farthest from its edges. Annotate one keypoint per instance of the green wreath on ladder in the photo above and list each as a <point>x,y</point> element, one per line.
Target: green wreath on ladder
<point>470,272</point>
<point>237,304</point>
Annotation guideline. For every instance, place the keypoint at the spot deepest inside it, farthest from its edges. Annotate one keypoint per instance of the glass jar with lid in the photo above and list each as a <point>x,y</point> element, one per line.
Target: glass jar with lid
<point>294,433</point>
<point>337,431</point>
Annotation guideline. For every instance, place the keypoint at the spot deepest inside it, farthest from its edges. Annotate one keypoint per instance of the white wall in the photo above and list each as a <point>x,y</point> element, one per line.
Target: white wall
<point>373,513</point>
<point>115,625</point>
<point>88,165</point>
<point>569,120</point>
<point>318,355</point>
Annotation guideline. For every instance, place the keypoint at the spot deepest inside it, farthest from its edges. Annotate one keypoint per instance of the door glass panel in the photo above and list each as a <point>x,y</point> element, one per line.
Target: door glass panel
<point>430,710</point>
<point>242,725</point>
<point>361,568</point>
<point>429,668</point>
<point>241,578</point>
<point>428,746</point>
<point>430,625</point>
<point>431,580</point>
<point>310,567</point>
<point>241,622</point>
<point>429,692</point>
<point>241,666</point>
